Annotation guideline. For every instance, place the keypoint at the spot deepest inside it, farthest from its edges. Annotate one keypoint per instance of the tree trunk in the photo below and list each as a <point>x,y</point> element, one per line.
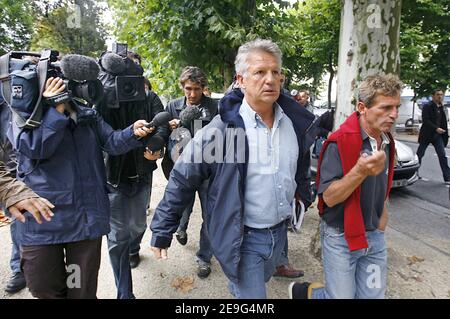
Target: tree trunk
<point>368,44</point>
<point>330,80</point>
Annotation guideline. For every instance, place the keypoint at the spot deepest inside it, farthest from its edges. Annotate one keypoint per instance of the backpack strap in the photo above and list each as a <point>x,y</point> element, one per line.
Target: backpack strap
<point>35,118</point>
<point>5,79</point>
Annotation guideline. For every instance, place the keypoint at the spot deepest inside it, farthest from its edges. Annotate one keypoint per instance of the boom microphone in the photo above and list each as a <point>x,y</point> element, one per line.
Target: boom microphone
<point>155,143</point>
<point>113,63</point>
<point>189,114</point>
<point>160,119</point>
<point>79,68</point>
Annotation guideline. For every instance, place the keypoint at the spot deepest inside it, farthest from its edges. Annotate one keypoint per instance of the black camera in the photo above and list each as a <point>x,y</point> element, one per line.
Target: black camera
<point>121,77</point>
<point>27,76</point>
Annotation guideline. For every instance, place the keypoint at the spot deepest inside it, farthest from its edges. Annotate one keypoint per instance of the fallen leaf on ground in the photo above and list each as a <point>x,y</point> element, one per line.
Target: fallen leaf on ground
<point>185,284</point>
<point>404,277</point>
<point>414,259</point>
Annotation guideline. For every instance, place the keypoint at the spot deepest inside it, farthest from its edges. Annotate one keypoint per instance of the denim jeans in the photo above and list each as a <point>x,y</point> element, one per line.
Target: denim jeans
<point>359,274</point>
<point>260,253</point>
<point>14,262</point>
<point>204,253</point>
<point>15,252</point>
<point>128,223</point>
<point>439,146</point>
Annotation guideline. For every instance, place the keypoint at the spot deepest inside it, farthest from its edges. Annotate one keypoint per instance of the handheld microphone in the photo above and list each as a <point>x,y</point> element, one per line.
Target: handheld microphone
<point>155,143</point>
<point>189,114</point>
<point>79,68</point>
<point>160,119</point>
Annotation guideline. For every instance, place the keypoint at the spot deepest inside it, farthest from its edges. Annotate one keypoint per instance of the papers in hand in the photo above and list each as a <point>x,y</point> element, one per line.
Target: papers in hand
<point>298,212</point>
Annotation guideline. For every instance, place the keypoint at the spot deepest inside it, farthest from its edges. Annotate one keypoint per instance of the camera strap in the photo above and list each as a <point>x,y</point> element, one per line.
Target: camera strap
<point>58,99</point>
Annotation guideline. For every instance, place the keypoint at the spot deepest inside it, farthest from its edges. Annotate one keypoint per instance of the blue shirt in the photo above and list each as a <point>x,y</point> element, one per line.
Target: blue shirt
<point>270,182</point>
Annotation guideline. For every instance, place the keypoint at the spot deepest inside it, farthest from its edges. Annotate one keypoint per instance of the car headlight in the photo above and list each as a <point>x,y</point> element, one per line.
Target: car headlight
<point>416,159</point>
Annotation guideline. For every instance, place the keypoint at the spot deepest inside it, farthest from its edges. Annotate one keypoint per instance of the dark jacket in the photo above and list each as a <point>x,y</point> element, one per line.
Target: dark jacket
<point>7,156</point>
<point>119,168</point>
<point>63,162</point>
<point>226,192</point>
<point>430,124</point>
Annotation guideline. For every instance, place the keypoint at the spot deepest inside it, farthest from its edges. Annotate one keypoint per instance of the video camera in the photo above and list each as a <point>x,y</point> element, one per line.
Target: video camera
<point>121,77</point>
<point>23,82</point>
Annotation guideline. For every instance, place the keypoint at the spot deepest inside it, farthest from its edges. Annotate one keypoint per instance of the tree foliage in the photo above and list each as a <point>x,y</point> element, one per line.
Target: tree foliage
<point>70,27</point>
<point>16,22</point>
<point>425,45</point>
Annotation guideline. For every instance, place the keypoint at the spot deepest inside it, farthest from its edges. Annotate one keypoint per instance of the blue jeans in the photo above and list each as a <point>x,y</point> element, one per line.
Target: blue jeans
<point>359,274</point>
<point>260,253</point>
<point>439,146</point>
<point>14,262</point>
<point>204,253</point>
<point>128,224</point>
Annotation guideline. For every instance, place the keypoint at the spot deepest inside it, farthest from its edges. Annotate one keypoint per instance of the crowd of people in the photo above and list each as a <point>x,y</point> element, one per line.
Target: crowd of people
<point>83,174</point>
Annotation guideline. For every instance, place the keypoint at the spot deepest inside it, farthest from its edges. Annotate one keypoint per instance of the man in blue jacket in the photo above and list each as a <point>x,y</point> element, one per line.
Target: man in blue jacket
<point>254,177</point>
<point>62,161</point>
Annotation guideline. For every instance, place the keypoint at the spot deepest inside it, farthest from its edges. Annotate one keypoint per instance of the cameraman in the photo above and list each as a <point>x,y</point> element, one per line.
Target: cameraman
<point>193,82</point>
<point>62,161</point>
<point>129,186</point>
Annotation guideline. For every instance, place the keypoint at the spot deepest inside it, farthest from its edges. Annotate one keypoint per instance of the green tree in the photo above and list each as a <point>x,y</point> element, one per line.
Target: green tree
<point>16,22</point>
<point>425,45</point>
<point>71,27</point>
<point>318,39</point>
<point>206,33</point>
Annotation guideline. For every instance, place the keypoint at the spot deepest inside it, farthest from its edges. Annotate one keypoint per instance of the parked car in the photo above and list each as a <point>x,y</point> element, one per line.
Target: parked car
<point>405,169</point>
<point>409,113</point>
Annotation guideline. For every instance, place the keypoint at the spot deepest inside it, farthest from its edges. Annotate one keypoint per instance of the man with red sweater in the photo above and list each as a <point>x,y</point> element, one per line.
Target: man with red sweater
<point>354,178</point>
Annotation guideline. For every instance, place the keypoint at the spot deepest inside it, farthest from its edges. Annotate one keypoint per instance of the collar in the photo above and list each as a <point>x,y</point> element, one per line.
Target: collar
<point>247,112</point>
<point>373,142</point>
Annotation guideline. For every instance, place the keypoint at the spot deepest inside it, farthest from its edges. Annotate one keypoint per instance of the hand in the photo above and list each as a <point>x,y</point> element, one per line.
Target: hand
<point>174,124</point>
<point>53,87</point>
<point>440,130</point>
<point>36,206</point>
<point>159,253</point>
<point>372,165</point>
<point>140,129</point>
<point>152,156</point>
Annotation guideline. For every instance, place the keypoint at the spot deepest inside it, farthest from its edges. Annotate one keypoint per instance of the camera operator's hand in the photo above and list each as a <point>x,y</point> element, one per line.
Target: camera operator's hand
<point>36,207</point>
<point>140,129</point>
<point>174,124</point>
<point>54,86</point>
<point>152,156</point>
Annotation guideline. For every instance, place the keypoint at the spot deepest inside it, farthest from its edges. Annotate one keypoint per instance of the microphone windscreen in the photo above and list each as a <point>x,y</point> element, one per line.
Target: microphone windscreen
<point>79,68</point>
<point>160,119</point>
<point>189,114</point>
<point>113,63</point>
<point>155,143</point>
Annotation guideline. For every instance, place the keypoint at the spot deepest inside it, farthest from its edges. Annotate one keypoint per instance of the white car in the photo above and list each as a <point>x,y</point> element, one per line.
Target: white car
<point>406,163</point>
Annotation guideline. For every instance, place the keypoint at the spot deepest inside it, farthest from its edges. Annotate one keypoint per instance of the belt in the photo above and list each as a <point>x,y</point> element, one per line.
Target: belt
<point>269,228</point>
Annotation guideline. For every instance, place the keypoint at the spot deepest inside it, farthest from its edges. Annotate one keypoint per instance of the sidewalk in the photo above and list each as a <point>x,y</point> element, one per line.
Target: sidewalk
<point>176,276</point>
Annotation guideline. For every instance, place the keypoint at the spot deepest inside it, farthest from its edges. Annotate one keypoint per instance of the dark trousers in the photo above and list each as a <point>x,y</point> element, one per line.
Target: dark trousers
<point>62,271</point>
<point>439,146</point>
